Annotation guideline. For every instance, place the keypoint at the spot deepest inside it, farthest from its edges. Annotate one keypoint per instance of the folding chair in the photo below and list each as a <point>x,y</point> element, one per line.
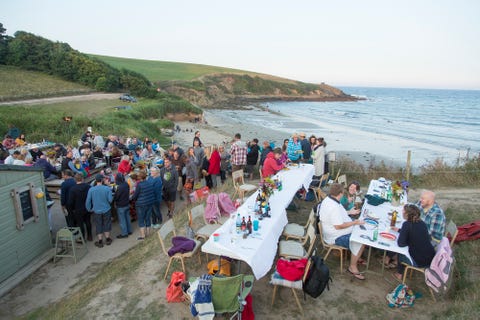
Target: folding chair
<point>240,186</point>
<point>331,247</point>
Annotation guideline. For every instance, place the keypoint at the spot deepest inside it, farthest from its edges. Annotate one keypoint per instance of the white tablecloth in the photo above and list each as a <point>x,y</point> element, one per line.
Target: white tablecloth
<point>260,248</point>
<point>380,211</point>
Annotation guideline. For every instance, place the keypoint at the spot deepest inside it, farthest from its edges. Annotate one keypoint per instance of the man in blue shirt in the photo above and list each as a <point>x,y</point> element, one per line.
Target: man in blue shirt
<point>99,199</point>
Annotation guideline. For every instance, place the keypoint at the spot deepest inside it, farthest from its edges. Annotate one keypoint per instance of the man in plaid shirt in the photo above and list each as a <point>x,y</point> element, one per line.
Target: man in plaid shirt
<point>432,215</point>
<point>238,153</point>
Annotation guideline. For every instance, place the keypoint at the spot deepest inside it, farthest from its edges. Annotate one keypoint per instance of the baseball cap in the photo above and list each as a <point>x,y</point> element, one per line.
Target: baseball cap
<point>99,177</point>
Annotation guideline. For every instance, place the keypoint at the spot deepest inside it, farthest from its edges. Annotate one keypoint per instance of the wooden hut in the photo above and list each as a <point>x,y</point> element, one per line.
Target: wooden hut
<point>25,240</point>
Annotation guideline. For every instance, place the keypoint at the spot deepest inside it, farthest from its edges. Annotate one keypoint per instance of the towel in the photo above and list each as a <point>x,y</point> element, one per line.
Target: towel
<point>202,305</point>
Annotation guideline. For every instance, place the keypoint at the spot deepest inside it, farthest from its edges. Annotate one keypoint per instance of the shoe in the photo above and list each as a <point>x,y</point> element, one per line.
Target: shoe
<point>140,238</point>
<point>357,275</point>
<point>89,238</point>
<point>108,241</point>
<point>122,236</point>
<point>99,244</point>
<point>169,215</point>
<point>129,233</point>
<point>50,203</point>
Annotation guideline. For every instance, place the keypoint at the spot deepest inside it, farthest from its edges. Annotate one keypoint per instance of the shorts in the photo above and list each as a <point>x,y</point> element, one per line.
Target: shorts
<point>103,222</point>
<point>144,216</point>
<point>343,241</point>
<point>249,168</point>
<point>170,195</point>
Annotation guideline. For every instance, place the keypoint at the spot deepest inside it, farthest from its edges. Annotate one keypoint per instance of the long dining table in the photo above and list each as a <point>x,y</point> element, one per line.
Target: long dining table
<point>259,248</point>
<point>387,237</point>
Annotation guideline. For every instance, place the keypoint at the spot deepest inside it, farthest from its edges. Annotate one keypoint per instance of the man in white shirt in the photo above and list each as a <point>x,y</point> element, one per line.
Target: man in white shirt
<point>11,158</point>
<point>337,227</point>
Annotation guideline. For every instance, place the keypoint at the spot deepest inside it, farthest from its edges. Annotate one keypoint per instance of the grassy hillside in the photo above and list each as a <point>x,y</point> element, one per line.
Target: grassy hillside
<point>157,71</point>
<point>16,83</point>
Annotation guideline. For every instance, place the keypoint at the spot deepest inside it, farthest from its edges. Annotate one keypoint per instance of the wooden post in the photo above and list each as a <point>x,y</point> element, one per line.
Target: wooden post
<point>409,156</point>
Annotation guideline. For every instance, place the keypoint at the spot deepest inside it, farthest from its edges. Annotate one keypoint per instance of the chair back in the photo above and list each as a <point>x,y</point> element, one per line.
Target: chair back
<point>237,177</point>
<point>167,228</point>
<point>320,232</point>
<point>312,237</point>
<point>452,230</point>
<point>196,212</point>
<point>225,293</point>
<point>311,218</point>
<point>342,180</point>
<point>324,180</point>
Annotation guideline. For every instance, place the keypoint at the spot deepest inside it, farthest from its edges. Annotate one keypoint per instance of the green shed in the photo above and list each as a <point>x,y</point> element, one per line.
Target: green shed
<point>25,240</point>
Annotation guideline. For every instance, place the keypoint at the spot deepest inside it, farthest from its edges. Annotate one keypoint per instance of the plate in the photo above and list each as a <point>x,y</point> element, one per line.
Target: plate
<point>371,221</point>
<point>388,236</point>
<point>371,216</point>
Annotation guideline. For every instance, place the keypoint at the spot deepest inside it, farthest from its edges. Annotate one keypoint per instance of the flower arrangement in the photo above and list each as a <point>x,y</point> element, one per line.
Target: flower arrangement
<point>267,187</point>
<point>398,189</point>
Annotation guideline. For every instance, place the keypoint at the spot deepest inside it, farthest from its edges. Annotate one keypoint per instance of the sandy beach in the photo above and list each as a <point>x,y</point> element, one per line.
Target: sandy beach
<point>218,130</point>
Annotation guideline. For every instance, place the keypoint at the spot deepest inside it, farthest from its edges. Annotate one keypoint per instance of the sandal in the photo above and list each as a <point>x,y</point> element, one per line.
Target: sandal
<point>357,275</point>
<point>362,262</point>
<point>389,265</point>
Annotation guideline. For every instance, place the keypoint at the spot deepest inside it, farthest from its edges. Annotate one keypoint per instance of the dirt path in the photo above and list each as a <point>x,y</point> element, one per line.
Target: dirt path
<point>83,97</point>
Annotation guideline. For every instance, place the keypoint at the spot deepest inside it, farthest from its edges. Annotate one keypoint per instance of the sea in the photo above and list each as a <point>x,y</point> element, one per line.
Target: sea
<point>389,122</point>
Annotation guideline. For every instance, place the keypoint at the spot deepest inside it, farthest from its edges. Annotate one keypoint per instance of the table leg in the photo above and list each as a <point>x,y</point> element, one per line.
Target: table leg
<point>368,258</point>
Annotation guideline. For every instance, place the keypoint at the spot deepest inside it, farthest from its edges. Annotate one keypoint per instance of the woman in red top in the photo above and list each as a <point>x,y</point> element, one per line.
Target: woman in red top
<point>214,167</point>
<point>270,165</point>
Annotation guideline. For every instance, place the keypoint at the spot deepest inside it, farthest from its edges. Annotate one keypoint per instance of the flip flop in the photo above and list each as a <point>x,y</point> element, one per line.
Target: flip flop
<point>357,275</point>
<point>362,262</point>
<point>390,265</point>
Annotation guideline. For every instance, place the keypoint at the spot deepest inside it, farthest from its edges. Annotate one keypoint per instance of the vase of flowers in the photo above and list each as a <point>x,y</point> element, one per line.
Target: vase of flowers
<point>399,190</point>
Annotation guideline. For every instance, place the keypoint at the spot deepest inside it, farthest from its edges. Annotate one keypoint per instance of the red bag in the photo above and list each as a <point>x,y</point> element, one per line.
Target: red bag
<point>469,231</point>
<point>291,270</point>
<point>174,289</point>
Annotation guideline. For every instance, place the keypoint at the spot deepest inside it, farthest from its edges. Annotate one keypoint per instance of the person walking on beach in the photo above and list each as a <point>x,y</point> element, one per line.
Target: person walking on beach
<point>238,153</point>
<point>99,199</point>
<point>76,201</point>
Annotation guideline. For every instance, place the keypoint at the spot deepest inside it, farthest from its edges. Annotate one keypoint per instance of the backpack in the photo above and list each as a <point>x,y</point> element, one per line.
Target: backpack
<point>318,277</point>
<point>212,211</point>
<point>174,289</point>
<point>400,297</point>
<point>436,277</point>
<point>225,204</point>
<point>470,231</point>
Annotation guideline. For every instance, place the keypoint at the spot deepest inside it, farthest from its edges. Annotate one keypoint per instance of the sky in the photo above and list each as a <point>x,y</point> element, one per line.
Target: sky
<point>376,43</point>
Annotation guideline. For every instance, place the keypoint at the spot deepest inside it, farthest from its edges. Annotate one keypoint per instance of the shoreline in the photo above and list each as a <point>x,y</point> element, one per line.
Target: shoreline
<point>218,131</point>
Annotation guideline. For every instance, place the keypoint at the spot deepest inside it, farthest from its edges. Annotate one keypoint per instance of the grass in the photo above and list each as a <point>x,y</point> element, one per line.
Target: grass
<point>46,121</point>
<point>16,83</point>
<point>157,71</point>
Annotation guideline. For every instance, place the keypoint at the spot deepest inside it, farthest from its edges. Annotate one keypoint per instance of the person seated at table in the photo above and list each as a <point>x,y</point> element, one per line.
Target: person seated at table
<point>148,152</point>
<point>270,165</point>
<point>20,160</point>
<point>337,227</point>
<point>8,143</point>
<point>49,171</point>
<point>348,198</point>
<point>432,215</point>
<point>294,149</point>
<point>414,234</point>
<point>20,141</point>
<point>36,153</point>
<point>12,157</point>
<point>60,150</point>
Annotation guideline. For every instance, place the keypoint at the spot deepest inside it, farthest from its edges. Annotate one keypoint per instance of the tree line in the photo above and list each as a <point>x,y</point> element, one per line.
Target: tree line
<point>32,52</point>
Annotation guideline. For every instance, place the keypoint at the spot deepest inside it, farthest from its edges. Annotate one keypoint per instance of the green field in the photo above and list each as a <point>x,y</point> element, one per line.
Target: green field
<point>157,71</point>
<point>16,83</point>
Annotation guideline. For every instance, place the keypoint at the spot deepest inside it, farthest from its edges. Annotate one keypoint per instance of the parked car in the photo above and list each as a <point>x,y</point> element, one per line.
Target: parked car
<point>127,98</point>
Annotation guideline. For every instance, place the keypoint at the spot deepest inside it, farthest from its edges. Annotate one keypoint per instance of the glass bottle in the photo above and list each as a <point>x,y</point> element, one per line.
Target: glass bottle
<point>249,225</point>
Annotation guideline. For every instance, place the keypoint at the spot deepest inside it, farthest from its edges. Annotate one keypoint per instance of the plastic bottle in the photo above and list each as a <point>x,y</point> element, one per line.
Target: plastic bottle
<point>280,186</point>
<point>238,223</point>
<point>375,233</point>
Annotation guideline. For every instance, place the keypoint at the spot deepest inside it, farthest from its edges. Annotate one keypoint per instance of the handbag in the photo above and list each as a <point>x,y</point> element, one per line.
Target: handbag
<point>291,270</point>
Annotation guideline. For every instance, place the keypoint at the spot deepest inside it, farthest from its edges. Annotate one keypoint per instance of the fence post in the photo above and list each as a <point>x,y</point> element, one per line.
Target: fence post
<point>409,156</point>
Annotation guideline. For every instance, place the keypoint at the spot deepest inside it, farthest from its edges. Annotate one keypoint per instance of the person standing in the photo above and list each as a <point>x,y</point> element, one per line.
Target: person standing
<point>294,149</point>
<point>306,148</point>
<point>65,187</point>
<point>99,199</point>
<point>238,153</point>
<point>224,162</point>
<point>170,181</point>
<point>76,201</point>
<point>121,199</point>
<point>432,215</point>
<point>214,165</point>
<point>144,198</point>
<point>318,156</point>
<point>252,157</point>
<point>157,183</point>
<point>266,150</point>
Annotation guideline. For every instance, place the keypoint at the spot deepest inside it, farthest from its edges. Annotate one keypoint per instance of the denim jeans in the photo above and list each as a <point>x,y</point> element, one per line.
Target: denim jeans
<point>144,214</point>
<point>157,215</point>
<point>343,241</point>
<point>124,220</point>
